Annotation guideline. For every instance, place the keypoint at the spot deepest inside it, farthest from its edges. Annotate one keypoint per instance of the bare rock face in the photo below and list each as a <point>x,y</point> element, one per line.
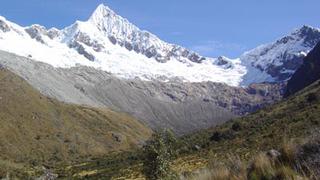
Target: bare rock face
<point>118,137</point>
<point>4,27</point>
<point>223,62</point>
<point>292,63</point>
<point>151,52</point>
<point>36,32</point>
<point>273,154</point>
<point>81,50</point>
<point>113,40</point>
<point>194,57</point>
<point>53,33</point>
<point>183,107</point>
<point>83,38</point>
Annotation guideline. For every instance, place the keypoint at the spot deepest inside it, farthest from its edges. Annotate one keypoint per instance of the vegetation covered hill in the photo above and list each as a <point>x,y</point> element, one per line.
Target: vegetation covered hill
<point>294,119</point>
<point>39,130</point>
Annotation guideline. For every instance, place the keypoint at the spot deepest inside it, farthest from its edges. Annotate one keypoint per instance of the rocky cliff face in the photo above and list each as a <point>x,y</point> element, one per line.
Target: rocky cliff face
<point>307,73</point>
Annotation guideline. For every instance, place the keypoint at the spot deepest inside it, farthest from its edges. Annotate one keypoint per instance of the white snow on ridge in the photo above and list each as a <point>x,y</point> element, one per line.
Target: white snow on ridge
<point>111,43</point>
<point>280,58</point>
<point>273,56</point>
<point>113,58</point>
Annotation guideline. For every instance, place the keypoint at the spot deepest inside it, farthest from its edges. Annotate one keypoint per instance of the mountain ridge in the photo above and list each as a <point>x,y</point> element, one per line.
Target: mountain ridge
<point>143,55</point>
<point>278,60</point>
<point>110,42</point>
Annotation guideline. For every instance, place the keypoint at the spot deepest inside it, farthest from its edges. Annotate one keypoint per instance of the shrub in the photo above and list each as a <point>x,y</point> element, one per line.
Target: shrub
<point>236,126</point>
<point>312,97</point>
<point>308,156</point>
<point>223,135</point>
<point>3,173</point>
<point>288,153</point>
<point>159,151</point>
<point>285,172</point>
<point>219,173</point>
<point>261,168</point>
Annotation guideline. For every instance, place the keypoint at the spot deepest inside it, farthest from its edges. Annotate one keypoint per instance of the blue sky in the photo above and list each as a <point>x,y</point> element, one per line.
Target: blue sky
<point>211,27</point>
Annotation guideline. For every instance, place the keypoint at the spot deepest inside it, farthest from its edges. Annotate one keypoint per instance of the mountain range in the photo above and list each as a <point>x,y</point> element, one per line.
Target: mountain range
<point>111,43</point>
<point>94,92</point>
<point>107,61</point>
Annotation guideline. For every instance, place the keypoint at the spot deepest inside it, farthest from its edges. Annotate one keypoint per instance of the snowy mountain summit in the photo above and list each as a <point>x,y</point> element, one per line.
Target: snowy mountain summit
<point>278,61</point>
<point>111,43</point>
<point>106,23</point>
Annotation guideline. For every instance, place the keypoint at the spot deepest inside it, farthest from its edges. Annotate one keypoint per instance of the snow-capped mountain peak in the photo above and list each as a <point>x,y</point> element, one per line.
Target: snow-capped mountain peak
<point>112,25</point>
<point>277,61</point>
<point>111,43</point>
<point>309,34</point>
<point>306,29</point>
<point>102,12</point>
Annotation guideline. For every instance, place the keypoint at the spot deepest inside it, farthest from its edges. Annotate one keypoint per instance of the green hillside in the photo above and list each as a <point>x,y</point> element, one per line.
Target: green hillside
<point>293,119</point>
<point>36,130</point>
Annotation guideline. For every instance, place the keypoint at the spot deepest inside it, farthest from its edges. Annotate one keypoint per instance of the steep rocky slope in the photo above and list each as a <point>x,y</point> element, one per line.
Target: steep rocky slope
<point>35,128</point>
<point>307,73</point>
<point>183,107</point>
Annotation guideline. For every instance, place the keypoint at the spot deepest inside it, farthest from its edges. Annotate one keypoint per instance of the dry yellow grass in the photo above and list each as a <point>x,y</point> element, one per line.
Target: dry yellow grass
<point>261,167</point>
<point>36,129</point>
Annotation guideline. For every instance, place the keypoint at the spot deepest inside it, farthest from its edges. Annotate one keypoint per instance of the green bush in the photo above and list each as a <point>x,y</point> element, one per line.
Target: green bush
<point>312,97</point>
<point>159,152</point>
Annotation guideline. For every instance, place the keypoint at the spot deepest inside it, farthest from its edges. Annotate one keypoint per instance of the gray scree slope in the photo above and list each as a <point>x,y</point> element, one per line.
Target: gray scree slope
<point>183,107</point>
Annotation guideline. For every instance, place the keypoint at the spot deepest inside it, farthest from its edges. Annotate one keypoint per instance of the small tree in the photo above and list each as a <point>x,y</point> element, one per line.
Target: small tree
<point>159,152</point>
